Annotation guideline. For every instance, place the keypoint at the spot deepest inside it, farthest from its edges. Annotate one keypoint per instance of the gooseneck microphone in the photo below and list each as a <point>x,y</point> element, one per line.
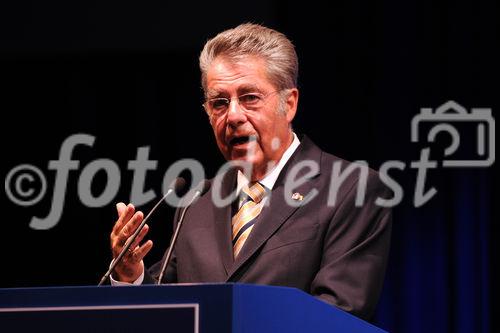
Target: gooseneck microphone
<point>201,188</point>
<point>176,186</point>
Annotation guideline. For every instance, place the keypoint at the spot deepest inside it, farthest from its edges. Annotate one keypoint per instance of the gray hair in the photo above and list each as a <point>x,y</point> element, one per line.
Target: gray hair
<point>254,39</point>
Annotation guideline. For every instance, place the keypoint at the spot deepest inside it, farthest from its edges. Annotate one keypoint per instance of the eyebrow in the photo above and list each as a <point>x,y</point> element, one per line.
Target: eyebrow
<point>244,89</point>
<point>247,88</point>
<point>213,94</point>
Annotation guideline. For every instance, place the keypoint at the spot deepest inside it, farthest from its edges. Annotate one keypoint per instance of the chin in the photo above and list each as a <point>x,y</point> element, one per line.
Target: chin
<point>244,159</point>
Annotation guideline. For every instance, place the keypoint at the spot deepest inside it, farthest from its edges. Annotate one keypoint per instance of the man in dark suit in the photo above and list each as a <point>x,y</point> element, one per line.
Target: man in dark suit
<point>298,218</point>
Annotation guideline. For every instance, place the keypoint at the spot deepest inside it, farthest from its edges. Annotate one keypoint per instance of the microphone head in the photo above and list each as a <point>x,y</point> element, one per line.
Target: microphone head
<point>179,184</point>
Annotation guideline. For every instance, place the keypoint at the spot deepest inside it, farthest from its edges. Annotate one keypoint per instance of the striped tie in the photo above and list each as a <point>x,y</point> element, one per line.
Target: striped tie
<point>244,219</point>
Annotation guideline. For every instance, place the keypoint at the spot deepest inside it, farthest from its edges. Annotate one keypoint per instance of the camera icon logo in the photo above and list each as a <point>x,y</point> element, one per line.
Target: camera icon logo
<point>445,118</point>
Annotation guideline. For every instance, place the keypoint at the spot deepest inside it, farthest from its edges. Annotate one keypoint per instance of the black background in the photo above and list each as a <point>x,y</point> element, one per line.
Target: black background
<point>127,73</point>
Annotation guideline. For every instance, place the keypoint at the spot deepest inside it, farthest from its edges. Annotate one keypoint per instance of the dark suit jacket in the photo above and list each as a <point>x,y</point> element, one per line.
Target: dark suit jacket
<point>337,254</point>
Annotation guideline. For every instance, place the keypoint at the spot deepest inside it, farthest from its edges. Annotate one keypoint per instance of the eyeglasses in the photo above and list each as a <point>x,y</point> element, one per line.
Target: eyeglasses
<point>218,106</point>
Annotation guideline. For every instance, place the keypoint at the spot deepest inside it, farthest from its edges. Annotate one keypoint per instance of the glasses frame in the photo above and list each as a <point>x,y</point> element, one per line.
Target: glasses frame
<point>229,100</point>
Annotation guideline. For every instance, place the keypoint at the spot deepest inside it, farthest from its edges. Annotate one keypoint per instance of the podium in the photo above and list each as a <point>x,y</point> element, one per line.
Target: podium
<point>179,308</point>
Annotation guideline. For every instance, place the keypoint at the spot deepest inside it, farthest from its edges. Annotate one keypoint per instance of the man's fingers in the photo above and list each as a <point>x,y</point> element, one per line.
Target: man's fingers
<point>130,227</point>
<point>141,252</point>
<point>122,219</point>
<point>127,213</point>
<point>140,237</point>
<point>120,208</point>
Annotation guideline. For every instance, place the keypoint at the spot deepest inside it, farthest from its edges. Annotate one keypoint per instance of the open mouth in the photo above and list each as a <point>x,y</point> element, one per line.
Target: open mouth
<point>241,140</point>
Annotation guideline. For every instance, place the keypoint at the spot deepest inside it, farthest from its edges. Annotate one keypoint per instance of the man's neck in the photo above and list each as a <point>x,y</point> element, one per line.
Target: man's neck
<point>270,177</point>
<point>259,173</point>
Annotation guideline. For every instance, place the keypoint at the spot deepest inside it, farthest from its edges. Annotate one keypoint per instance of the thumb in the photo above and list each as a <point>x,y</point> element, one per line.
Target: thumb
<point>120,208</point>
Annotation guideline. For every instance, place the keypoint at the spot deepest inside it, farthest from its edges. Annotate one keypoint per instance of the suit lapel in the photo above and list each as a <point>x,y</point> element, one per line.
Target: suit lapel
<point>223,233</point>
<point>278,211</point>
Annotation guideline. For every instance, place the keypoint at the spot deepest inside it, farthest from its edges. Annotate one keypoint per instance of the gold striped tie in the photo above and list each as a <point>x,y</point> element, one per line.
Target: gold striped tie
<point>244,219</point>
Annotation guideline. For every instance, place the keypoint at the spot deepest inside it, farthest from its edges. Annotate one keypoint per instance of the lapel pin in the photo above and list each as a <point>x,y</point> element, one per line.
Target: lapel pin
<point>297,196</point>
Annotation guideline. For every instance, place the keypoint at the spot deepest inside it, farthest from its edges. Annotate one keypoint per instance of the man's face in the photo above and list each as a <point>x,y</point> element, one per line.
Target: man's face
<point>255,126</point>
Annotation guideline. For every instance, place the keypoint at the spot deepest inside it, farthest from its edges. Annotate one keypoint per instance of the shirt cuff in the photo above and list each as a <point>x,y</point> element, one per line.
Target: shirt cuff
<point>121,283</point>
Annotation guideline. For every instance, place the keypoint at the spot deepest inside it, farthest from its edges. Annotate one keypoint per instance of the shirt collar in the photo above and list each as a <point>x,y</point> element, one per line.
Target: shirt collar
<point>270,179</point>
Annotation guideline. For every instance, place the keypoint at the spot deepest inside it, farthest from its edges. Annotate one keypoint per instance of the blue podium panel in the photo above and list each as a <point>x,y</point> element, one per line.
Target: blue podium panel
<point>111,318</point>
<point>217,308</point>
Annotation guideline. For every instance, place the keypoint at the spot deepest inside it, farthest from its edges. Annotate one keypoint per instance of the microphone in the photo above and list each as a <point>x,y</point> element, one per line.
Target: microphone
<point>201,188</point>
<point>176,186</point>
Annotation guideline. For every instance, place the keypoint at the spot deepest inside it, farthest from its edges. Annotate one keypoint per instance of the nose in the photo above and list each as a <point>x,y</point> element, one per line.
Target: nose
<point>235,114</point>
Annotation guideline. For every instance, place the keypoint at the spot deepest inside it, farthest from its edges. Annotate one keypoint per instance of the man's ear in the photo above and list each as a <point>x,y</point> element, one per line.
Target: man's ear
<point>291,104</point>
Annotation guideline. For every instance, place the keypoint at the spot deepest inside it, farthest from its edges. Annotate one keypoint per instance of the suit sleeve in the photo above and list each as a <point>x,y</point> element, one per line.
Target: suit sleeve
<point>355,252</point>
